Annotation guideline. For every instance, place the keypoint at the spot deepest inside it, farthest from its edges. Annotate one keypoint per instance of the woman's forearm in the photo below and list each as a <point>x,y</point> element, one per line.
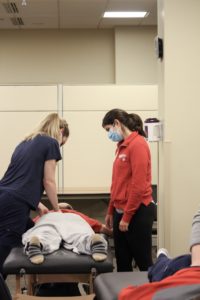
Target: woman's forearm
<point>51,191</point>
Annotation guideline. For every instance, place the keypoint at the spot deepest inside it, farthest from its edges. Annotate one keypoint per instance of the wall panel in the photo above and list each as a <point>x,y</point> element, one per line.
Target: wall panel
<point>31,98</point>
<point>21,109</point>
<point>89,154</point>
<point>105,97</point>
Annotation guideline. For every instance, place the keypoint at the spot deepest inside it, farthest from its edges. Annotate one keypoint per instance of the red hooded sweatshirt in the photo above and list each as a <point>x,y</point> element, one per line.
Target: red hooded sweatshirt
<point>131,179</point>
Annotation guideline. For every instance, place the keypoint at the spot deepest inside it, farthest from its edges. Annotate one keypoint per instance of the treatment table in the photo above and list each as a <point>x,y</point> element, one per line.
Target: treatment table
<point>60,266</point>
<point>107,286</point>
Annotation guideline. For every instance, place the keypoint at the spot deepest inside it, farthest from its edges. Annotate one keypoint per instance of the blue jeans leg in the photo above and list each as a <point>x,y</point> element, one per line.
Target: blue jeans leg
<point>165,266</point>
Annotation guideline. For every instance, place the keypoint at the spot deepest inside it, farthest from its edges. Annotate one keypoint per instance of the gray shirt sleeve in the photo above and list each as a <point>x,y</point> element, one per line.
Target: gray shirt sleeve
<point>195,234</point>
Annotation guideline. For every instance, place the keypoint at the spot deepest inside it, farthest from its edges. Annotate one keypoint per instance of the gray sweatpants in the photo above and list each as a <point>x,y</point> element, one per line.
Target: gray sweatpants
<point>55,228</point>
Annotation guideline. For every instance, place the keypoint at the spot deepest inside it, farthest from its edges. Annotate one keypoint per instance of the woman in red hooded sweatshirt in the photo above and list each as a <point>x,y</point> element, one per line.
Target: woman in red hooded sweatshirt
<point>131,208</point>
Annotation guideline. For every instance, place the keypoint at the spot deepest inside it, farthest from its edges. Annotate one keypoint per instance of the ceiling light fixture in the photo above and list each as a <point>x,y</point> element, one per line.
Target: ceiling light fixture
<point>125,14</point>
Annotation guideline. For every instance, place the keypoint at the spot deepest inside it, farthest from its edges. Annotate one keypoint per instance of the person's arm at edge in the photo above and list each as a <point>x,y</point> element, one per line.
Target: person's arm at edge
<point>42,209</point>
<point>195,240</point>
<point>110,211</point>
<point>50,184</point>
<point>139,161</point>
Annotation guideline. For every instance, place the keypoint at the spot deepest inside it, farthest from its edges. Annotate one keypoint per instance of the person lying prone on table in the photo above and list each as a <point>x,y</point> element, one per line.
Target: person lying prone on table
<point>69,228</point>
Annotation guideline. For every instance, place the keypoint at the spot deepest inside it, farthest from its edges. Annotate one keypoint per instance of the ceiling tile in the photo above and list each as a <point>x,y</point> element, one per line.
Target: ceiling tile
<point>73,13</point>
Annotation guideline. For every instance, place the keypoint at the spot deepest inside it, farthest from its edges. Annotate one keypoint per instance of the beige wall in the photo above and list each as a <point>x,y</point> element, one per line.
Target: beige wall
<point>179,107</point>
<point>89,154</point>
<point>57,56</point>
<point>135,57</point>
<point>21,109</point>
<point>90,71</point>
<point>78,56</point>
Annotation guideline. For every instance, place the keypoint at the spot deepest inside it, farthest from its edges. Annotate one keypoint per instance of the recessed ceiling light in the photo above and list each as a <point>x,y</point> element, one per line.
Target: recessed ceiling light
<point>125,14</point>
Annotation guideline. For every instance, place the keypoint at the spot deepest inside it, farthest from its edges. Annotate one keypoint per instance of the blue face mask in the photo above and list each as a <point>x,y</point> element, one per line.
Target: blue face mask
<point>115,136</point>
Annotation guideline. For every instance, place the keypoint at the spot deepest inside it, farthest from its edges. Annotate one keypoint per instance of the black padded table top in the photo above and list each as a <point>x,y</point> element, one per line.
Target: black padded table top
<point>59,262</point>
<point>107,286</point>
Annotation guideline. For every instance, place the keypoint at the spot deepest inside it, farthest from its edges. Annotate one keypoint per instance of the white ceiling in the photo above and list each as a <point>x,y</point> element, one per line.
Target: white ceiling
<point>63,14</point>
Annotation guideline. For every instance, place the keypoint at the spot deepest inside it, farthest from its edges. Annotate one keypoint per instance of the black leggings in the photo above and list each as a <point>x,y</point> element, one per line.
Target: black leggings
<point>136,243</point>
<point>4,251</point>
<point>14,221</point>
<point>14,241</point>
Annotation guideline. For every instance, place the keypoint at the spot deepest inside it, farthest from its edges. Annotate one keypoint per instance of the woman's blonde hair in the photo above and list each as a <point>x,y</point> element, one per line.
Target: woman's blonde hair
<point>50,126</point>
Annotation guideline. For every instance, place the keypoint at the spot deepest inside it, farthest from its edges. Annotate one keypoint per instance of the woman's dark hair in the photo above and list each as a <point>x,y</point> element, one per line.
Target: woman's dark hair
<point>132,121</point>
